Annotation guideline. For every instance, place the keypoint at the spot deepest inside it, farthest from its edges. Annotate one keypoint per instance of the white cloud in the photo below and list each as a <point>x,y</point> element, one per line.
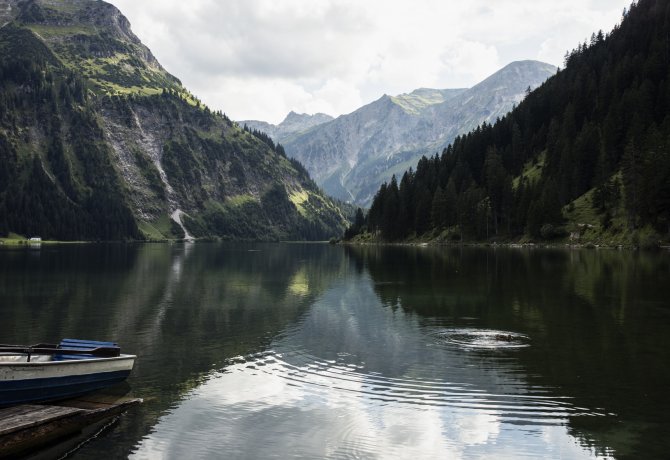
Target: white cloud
<point>241,97</point>
<point>335,96</point>
<point>469,59</point>
<point>262,58</point>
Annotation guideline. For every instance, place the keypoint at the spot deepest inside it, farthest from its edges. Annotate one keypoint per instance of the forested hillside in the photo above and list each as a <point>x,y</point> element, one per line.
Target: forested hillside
<point>88,201</point>
<point>586,153</point>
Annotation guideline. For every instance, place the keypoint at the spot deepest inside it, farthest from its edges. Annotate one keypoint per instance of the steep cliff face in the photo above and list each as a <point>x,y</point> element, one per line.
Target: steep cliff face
<point>95,39</point>
<point>100,142</point>
<point>352,155</point>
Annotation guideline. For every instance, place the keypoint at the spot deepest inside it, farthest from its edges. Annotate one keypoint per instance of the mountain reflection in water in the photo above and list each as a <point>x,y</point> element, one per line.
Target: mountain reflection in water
<point>312,351</point>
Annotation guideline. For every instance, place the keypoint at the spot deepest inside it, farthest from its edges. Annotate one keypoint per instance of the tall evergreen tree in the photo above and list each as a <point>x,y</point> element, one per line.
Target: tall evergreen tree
<point>439,209</point>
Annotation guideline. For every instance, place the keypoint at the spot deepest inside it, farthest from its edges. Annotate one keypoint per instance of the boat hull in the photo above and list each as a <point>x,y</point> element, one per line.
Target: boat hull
<point>46,381</point>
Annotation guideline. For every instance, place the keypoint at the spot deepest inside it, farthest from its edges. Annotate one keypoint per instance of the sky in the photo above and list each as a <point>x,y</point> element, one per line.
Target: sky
<point>260,59</point>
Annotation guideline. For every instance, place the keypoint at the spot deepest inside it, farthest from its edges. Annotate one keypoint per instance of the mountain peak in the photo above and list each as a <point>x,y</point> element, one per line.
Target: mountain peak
<point>293,117</point>
<point>79,16</point>
<point>517,71</point>
<point>529,66</point>
<point>95,38</point>
<point>292,125</point>
<point>527,63</point>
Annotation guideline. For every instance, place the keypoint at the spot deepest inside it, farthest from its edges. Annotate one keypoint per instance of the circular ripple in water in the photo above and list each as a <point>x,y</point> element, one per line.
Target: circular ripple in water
<point>338,382</point>
<point>482,338</point>
<point>304,406</point>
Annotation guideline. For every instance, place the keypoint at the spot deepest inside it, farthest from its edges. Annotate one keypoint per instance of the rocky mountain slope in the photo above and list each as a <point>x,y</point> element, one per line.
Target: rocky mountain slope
<point>98,141</point>
<point>293,125</point>
<point>352,155</point>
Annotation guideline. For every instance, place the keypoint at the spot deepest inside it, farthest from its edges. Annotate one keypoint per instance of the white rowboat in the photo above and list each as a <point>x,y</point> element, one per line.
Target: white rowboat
<point>74,367</point>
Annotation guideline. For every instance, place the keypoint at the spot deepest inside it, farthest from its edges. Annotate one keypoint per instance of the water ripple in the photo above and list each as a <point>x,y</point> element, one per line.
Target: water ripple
<point>512,401</point>
<point>482,338</point>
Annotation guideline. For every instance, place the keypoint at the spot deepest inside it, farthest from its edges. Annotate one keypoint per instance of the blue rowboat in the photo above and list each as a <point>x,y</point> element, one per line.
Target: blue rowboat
<point>47,372</point>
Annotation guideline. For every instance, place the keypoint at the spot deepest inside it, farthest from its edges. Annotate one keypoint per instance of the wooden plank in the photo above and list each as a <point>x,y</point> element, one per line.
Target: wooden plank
<point>64,447</point>
<point>100,401</point>
<point>29,427</point>
<point>25,416</point>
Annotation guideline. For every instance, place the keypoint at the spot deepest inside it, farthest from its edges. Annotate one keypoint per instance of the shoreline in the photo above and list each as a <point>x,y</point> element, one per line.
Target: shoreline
<point>20,243</point>
<point>514,245</point>
<point>16,243</point>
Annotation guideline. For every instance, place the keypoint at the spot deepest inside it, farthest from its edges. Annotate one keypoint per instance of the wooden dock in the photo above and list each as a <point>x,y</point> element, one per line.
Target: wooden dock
<point>28,427</point>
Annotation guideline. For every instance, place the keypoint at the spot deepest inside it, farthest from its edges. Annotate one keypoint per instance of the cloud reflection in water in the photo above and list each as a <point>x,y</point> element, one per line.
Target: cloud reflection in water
<point>354,379</point>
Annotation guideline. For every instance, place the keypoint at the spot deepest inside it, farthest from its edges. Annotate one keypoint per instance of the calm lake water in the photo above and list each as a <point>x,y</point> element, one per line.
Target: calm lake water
<point>317,351</point>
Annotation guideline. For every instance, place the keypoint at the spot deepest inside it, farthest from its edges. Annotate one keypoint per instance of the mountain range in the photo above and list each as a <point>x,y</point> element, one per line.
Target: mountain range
<point>98,141</point>
<point>353,154</point>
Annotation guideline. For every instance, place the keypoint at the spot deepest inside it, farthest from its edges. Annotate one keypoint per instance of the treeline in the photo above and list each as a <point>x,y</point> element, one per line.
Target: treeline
<point>601,123</point>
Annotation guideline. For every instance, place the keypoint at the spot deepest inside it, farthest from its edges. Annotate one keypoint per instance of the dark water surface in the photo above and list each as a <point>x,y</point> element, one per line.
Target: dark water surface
<point>315,351</point>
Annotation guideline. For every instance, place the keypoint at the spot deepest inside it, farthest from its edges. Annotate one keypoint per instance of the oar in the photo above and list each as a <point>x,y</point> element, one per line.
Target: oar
<point>100,352</point>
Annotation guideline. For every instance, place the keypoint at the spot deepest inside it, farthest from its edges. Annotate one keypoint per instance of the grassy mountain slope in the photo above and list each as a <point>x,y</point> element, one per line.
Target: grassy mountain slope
<point>98,141</point>
<point>422,98</point>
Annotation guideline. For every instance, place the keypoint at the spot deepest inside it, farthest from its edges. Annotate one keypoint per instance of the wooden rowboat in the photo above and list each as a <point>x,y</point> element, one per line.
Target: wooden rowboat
<point>47,372</point>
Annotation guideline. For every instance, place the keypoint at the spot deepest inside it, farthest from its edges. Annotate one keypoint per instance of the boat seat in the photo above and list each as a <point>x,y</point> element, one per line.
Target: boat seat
<point>83,345</point>
<point>23,358</point>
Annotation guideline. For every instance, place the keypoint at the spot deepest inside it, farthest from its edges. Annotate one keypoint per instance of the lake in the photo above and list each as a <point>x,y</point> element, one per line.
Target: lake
<point>318,351</point>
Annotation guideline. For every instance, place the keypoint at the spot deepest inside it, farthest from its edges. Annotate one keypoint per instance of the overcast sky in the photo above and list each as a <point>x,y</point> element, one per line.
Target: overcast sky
<point>259,59</point>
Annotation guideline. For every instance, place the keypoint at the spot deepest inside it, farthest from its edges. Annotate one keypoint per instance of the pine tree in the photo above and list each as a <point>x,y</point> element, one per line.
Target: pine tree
<point>632,177</point>
<point>422,211</point>
<point>390,209</point>
<point>439,209</point>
